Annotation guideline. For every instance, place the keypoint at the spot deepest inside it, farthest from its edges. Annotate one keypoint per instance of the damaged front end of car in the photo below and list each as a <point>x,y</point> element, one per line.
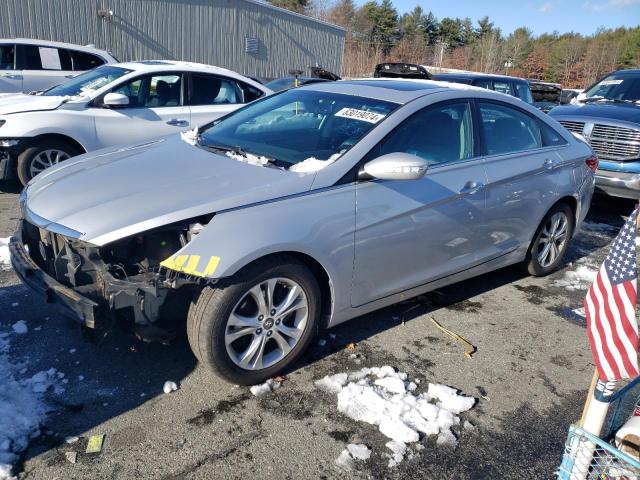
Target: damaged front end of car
<point>128,280</point>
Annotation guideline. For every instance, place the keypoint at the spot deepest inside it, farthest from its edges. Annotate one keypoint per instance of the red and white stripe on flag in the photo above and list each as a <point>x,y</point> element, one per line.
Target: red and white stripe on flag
<point>610,307</point>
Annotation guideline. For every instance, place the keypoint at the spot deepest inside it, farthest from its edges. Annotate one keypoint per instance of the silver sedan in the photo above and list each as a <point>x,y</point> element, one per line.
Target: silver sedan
<point>301,211</point>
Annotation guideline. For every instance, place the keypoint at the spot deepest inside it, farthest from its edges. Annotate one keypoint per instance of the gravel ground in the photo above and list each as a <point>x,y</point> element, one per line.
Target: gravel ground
<point>530,374</point>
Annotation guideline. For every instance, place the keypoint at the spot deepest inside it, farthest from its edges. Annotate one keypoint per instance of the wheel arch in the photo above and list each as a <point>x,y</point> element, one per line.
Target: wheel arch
<point>54,136</point>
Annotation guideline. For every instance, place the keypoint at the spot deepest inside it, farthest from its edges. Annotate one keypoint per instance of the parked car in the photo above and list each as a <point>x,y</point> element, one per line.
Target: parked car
<point>569,94</point>
<point>401,70</point>
<point>111,105</point>
<point>303,210</point>
<point>514,86</point>
<point>545,95</point>
<point>28,65</point>
<point>607,115</point>
<point>296,79</point>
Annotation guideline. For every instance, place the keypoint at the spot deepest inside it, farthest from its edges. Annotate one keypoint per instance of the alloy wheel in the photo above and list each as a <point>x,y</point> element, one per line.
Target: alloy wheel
<point>553,239</point>
<point>46,159</point>
<point>267,323</point>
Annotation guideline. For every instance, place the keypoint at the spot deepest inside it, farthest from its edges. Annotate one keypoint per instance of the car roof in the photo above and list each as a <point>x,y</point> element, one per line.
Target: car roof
<point>168,65</point>
<point>471,75</point>
<point>49,43</point>
<point>397,90</point>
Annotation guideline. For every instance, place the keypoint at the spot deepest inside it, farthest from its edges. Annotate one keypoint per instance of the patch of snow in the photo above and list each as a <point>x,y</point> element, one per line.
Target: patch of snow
<point>20,327</point>
<point>385,398</point>
<point>578,279</point>
<point>192,137</point>
<point>312,164</point>
<point>5,257</point>
<point>248,158</point>
<point>359,451</point>
<point>22,408</point>
<point>345,460</point>
<point>265,387</point>
<point>169,386</point>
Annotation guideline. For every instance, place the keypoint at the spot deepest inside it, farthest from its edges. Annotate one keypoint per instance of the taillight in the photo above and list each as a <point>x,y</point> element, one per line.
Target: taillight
<point>592,162</point>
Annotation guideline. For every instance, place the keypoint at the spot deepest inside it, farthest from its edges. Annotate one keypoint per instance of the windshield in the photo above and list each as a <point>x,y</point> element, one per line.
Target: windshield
<point>88,82</point>
<point>298,125</point>
<point>624,86</point>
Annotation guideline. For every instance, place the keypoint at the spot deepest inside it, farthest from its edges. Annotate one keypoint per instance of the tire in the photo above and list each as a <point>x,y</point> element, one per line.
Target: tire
<point>43,155</point>
<point>209,324</point>
<point>538,266</point>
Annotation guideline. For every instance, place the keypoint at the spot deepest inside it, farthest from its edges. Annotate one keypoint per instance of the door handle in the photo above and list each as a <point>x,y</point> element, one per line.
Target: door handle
<point>549,164</point>
<point>12,75</point>
<point>178,122</point>
<point>471,187</point>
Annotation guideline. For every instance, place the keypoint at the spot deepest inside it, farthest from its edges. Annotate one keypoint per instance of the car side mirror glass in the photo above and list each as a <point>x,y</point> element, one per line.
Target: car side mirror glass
<point>396,166</point>
<point>115,100</point>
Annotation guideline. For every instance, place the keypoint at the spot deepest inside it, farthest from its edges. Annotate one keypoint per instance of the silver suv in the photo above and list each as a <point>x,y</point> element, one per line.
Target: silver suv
<point>301,211</point>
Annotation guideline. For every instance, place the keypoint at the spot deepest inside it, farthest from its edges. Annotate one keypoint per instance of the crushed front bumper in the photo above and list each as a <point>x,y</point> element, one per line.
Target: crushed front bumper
<point>66,300</point>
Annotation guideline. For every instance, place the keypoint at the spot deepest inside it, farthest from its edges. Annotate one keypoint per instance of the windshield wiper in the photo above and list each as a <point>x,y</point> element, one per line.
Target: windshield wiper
<point>605,99</point>
<point>238,150</point>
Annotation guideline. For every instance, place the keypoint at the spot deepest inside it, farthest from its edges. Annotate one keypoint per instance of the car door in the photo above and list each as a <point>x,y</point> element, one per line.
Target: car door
<point>10,76</point>
<point>43,67</point>
<point>156,107</point>
<point>212,96</point>
<point>410,232</point>
<point>522,173</point>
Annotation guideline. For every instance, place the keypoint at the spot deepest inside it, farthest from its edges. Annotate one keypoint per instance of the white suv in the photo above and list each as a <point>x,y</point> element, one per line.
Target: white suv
<point>34,65</point>
<point>111,105</point>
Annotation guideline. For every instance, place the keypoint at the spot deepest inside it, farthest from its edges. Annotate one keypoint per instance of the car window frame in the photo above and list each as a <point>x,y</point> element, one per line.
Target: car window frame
<point>15,55</point>
<point>535,119</point>
<point>98,102</point>
<point>73,51</point>
<point>239,82</point>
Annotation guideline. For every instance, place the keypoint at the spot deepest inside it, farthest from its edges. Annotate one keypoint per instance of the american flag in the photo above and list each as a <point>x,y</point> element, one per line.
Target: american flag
<point>610,306</point>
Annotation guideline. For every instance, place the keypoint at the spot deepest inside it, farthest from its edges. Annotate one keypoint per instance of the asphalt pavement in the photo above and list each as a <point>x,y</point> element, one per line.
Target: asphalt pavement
<point>530,375</point>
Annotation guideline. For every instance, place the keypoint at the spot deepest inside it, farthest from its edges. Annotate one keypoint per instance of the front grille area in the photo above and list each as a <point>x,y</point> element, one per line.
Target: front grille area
<point>609,142</point>
<point>575,127</point>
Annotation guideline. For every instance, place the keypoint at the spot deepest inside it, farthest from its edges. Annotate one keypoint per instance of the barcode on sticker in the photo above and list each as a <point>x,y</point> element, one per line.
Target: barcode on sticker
<point>363,115</point>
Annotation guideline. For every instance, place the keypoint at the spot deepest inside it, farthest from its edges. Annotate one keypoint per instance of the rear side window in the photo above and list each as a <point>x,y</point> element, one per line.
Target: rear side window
<point>214,90</point>
<point>523,92</point>
<point>550,138</point>
<point>508,130</point>
<point>7,57</point>
<point>503,87</point>
<point>439,134</point>
<point>250,93</point>
<point>482,83</point>
<point>85,61</point>
<point>34,57</point>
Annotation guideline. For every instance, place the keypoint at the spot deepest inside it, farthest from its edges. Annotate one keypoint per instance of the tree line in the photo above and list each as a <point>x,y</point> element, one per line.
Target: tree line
<point>375,32</point>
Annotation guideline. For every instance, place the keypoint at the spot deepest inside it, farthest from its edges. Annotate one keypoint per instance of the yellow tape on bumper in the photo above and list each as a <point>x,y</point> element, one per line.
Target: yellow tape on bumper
<point>189,264</point>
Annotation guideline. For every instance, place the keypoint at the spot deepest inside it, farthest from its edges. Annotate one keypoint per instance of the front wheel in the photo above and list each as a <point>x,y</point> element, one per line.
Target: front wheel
<point>258,323</point>
<point>39,157</point>
<point>551,241</point>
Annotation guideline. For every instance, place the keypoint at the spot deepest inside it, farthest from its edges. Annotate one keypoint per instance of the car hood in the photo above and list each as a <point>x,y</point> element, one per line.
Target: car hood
<point>613,111</point>
<point>108,195</point>
<point>19,102</point>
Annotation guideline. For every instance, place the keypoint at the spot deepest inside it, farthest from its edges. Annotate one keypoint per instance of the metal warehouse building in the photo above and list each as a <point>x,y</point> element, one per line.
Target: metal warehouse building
<point>248,36</point>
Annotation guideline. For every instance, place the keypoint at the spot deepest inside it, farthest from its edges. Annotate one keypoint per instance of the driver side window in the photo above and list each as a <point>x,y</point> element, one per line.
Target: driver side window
<point>440,134</point>
<point>153,91</point>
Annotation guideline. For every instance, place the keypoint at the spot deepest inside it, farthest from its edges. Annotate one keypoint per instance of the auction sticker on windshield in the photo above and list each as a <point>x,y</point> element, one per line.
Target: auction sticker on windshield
<point>363,115</point>
<point>611,82</point>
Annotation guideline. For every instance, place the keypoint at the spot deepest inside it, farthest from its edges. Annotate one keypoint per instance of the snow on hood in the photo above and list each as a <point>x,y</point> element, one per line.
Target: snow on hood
<point>114,193</point>
<point>192,137</point>
<point>20,102</point>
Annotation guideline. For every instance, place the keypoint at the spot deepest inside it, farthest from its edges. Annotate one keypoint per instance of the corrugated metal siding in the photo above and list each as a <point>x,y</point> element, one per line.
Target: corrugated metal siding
<point>207,31</point>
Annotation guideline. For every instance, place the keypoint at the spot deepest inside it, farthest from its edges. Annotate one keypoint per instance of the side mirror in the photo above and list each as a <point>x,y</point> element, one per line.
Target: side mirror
<point>115,100</point>
<point>396,166</point>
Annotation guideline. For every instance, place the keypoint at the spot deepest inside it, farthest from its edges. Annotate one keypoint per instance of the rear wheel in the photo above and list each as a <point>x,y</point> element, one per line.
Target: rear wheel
<point>39,157</point>
<point>550,241</point>
<point>258,323</point>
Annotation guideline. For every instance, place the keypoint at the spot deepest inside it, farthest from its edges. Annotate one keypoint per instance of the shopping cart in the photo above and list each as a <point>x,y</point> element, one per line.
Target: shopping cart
<point>603,461</point>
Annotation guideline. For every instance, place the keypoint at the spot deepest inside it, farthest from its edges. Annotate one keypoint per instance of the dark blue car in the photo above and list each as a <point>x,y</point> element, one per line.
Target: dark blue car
<point>607,115</point>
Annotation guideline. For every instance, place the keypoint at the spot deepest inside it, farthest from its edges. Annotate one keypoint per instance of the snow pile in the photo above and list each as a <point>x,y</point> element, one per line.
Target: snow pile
<point>5,259</point>
<point>353,452</point>
<point>312,164</point>
<point>384,397</point>
<point>169,386</point>
<point>266,387</point>
<point>248,158</point>
<point>192,137</point>
<point>22,409</point>
<point>20,327</point>
<point>579,279</point>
